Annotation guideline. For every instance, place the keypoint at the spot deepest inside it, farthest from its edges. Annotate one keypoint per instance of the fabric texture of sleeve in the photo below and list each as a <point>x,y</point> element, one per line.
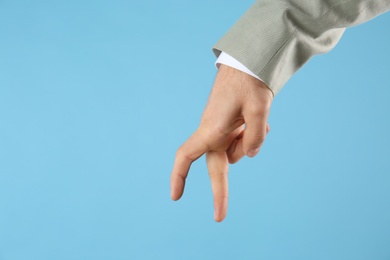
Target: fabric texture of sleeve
<point>274,38</point>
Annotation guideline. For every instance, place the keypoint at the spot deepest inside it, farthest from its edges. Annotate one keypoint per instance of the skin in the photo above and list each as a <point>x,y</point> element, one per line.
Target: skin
<point>234,124</point>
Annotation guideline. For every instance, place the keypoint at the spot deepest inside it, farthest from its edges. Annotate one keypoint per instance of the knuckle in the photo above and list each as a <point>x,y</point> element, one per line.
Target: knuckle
<point>255,110</point>
<point>225,196</point>
<point>219,130</point>
<point>214,132</point>
<point>180,153</point>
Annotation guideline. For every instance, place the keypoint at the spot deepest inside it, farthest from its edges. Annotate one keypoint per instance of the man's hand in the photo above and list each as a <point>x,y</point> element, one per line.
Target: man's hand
<point>234,124</point>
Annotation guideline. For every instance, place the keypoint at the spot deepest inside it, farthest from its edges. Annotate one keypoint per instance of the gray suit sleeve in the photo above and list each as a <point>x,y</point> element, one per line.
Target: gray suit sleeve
<point>274,38</point>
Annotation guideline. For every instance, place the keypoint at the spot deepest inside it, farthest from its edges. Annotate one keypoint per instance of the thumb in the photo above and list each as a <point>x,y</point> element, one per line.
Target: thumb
<point>254,135</point>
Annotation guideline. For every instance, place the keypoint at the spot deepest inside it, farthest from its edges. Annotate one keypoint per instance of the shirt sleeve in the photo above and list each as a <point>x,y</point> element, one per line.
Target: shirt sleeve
<point>274,38</point>
<point>228,60</point>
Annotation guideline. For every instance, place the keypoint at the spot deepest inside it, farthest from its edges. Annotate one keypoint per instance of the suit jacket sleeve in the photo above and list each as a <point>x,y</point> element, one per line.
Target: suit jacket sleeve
<point>274,38</point>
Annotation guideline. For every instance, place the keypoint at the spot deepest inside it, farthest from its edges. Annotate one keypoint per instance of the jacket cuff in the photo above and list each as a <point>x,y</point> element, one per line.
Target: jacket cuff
<point>273,43</point>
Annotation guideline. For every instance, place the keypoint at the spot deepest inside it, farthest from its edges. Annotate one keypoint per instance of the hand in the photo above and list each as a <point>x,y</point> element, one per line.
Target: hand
<point>233,124</point>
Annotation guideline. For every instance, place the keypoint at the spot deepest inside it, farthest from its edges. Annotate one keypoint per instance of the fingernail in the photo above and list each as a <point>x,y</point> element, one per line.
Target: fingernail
<point>253,152</point>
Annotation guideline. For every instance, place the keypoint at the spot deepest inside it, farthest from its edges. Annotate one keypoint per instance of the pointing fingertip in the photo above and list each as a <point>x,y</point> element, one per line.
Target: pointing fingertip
<point>175,195</point>
<point>220,210</point>
<point>218,217</point>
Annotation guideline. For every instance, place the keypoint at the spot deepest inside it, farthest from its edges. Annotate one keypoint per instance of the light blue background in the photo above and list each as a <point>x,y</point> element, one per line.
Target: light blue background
<point>95,97</point>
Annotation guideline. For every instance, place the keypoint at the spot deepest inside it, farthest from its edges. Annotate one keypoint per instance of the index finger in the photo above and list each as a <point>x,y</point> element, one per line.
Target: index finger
<point>190,151</point>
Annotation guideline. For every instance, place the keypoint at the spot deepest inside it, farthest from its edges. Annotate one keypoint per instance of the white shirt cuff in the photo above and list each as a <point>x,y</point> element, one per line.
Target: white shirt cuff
<point>228,60</point>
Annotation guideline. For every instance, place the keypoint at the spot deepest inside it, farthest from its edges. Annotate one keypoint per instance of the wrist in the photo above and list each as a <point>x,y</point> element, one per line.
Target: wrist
<point>229,76</point>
